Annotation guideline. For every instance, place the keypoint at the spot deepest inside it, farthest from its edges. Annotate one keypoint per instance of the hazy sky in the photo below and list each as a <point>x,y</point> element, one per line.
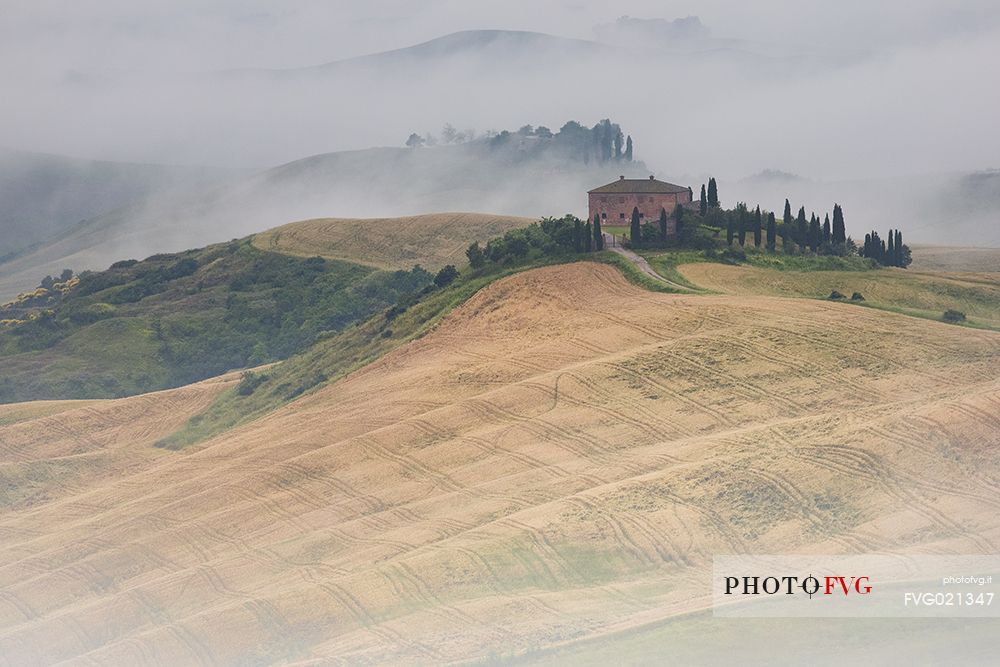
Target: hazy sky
<point>918,96</point>
<point>198,35</point>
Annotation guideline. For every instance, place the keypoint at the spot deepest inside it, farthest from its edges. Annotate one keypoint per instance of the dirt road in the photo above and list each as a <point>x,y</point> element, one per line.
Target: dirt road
<point>644,266</point>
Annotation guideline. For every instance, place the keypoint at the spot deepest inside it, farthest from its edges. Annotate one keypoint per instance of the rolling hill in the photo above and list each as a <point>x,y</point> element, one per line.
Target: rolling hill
<point>493,48</point>
<point>175,318</point>
<point>389,243</point>
<point>551,468</point>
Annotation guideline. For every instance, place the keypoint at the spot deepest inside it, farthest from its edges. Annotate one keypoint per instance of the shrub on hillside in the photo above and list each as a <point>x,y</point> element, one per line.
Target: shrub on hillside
<point>87,313</point>
<point>91,282</point>
<point>734,256</point>
<point>953,316</point>
<point>475,255</point>
<point>446,276</point>
<point>549,237</point>
<point>249,381</point>
<point>184,267</point>
<point>124,264</point>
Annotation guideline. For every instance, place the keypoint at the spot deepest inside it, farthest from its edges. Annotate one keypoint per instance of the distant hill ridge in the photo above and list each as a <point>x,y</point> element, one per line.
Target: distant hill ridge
<point>463,42</point>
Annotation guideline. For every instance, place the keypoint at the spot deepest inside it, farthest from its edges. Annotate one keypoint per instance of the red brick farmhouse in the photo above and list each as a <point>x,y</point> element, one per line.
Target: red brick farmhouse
<point>614,202</point>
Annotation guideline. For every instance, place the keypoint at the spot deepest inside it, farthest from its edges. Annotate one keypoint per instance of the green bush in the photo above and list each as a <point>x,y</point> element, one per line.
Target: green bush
<point>124,264</point>
<point>183,268</point>
<point>249,381</point>
<point>446,276</point>
<point>727,255</point>
<point>549,237</point>
<point>476,256</point>
<point>953,316</point>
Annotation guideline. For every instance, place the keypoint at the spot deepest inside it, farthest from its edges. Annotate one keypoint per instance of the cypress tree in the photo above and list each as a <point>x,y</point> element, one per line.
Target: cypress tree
<point>713,193</point>
<point>772,226</point>
<point>598,234</point>
<point>577,241</point>
<point>703,206</point>
<point>787,240</point>
<point>900,255</point>
<point>891,250</point>
<point>757,227</point>
<point>815,233</point>
<point>588,238</point>
<point>635,235</point>
<point>839,231</point>
<point>603,134</point>
<point>618,145</point>
<point>678,220</point>
<point>730,230</point>
<point>802,228</point>
<point>741,213</point>
<point>663,224</point>
<point>827,232</point>
<point>867,250</point>
<point>628,149</point>
<point>877,250</point>
<point>787,218</point>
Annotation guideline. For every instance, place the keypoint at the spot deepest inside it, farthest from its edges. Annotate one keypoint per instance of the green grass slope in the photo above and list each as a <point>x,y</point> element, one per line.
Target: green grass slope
<point>176,318</point>
<point>919,294</point>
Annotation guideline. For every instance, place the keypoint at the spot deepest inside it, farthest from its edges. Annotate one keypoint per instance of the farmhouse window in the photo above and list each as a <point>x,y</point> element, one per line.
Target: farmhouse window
<point>621,216</point>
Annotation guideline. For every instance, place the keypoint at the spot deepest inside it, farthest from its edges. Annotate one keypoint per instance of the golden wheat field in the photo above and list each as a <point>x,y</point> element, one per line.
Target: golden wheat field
<point>431,240</point>
<point>556,462</point>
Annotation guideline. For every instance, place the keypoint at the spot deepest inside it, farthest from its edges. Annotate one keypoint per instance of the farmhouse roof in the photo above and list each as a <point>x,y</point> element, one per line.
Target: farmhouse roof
<point>639,186</point>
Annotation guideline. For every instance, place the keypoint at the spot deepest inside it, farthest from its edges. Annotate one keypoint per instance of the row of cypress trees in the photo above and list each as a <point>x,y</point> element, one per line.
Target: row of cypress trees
<point>709,196</point>
<point>745,221</point>
<point>587,237</point>
<point>635,231</point>
<point>827,236</point>
<point>893,253</point>
<point>811,233</point>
